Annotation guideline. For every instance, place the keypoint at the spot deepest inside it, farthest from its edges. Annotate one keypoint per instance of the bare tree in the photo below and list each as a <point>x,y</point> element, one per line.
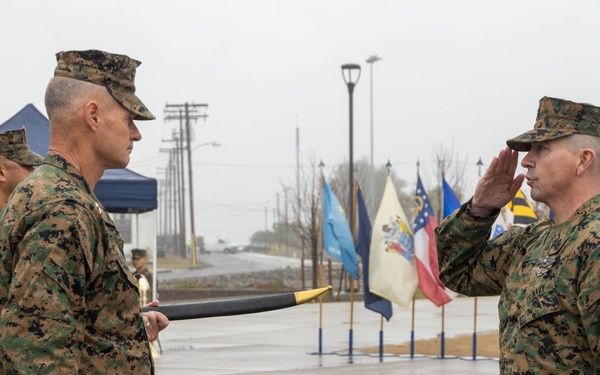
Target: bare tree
<point>340,185</point>
<point>305,210</point>
<point>447,163</point>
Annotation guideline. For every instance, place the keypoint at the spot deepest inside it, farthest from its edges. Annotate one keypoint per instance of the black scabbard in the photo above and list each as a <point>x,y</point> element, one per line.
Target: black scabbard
<point>237,306</point>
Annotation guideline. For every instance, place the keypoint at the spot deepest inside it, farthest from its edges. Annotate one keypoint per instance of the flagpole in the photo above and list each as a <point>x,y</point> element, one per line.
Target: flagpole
<point>381,337</point>
<point>364,239</point>
<point>479,165</point>
<point>442,337</point>
<point>475,329</point>
<point>321,165</point>
<point>353,231</point>
<point>412,331</point>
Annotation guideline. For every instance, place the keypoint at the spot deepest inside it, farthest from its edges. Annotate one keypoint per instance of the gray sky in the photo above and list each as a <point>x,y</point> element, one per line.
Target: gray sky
<point>462,74</point>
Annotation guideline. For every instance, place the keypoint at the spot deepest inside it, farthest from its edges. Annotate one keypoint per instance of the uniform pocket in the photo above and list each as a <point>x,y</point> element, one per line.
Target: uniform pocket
<point>538,306</point>
<point>119,308</point>
<point>70,279</point>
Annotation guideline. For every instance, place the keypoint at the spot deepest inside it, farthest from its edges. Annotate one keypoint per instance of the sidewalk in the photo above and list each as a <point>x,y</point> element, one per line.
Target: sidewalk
<point>287,341</point>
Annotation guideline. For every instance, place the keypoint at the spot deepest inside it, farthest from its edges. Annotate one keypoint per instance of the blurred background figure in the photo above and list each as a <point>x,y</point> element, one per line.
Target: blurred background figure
<point>142,273</point>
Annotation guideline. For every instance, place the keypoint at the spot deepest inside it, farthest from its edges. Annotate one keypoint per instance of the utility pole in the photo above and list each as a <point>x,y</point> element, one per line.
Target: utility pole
<point>189,112</point>
<point>298,201</point>
<point>177,194</point>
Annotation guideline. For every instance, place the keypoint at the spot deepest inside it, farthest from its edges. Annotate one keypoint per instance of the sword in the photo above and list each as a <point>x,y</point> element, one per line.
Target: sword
<point>237,306</point>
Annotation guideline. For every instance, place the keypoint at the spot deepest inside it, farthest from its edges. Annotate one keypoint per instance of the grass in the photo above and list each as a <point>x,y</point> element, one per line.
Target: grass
<point>177,262</point>
<point>461,346</point>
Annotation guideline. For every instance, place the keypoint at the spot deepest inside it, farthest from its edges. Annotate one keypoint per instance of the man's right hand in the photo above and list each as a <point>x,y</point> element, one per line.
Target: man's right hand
<point>498,185</point>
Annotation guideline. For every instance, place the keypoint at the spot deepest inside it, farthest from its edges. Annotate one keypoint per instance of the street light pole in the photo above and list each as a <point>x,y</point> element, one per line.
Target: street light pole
<point>372,59</point>
<point>351,74</point>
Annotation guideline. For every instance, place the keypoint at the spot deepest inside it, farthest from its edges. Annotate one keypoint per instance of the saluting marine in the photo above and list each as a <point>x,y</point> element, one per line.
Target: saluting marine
<point>548,273</point>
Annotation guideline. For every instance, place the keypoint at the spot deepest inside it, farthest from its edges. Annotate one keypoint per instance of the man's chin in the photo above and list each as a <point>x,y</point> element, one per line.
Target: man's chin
<point>536,196</point>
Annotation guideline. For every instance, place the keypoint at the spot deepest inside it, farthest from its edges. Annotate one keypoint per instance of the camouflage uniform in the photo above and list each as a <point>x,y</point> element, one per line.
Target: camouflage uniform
<point>547,274</point>
<point>64,282</point>
<point>548,278</point>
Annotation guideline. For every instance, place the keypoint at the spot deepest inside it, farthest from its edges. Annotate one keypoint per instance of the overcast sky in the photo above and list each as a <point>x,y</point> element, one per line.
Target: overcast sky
<point>462,74</point>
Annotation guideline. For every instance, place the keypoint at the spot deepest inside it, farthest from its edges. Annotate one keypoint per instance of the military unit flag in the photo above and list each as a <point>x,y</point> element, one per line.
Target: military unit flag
<point>523,211</point>
<point>451,202</point>
<point>426,250</point>
<point>372,301</point>
<point>392,265</point>
<point>337,237</point>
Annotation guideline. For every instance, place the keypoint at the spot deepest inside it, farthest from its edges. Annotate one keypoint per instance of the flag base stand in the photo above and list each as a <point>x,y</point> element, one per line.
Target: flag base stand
<point>443,357</point>
<point>353,354</point>
<point>412,356</point>
<point>373,355</point>
<point>479,358</point>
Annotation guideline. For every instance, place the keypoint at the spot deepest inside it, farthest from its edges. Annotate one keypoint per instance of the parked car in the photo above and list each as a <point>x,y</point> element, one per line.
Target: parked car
<point>257,247</point>
<point>219,244</point>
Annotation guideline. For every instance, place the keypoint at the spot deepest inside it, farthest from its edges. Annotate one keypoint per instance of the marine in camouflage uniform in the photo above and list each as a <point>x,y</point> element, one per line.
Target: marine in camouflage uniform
<point>547,274</point>
<point>139,258</point>
<point>16,161</point>
<point>69,301</point>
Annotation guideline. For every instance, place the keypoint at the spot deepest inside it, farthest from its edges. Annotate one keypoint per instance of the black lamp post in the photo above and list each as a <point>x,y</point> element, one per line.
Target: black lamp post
<point>351,74</point>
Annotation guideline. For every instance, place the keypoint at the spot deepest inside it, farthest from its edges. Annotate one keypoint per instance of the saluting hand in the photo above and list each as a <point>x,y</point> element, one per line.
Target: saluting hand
<point>498,185</point>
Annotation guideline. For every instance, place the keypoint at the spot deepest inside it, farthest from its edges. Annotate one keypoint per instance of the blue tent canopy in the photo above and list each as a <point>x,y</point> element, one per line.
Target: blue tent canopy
<point>124,191</point>
<point>119,190</point>
<point>36,125</point>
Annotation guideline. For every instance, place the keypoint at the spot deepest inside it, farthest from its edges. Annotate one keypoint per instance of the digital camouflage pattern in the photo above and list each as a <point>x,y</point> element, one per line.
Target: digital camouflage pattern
<point>548,279</point>
<point>558,118</point>
<point>115,72</point>
<point>13,146</point>
<point>69,302</point>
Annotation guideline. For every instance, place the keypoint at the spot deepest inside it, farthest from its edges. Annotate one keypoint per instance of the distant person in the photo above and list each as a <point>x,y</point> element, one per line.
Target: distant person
<point>16,161</point>
<point>139,260</point>
<point>548,273</point>
<point>69,302</point>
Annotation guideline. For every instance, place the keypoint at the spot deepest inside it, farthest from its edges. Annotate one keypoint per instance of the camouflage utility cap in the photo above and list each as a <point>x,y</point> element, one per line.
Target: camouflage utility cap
<point>115,72</point>
<point>13,146</point>
<point>558,118</point>
<point>138,253</point>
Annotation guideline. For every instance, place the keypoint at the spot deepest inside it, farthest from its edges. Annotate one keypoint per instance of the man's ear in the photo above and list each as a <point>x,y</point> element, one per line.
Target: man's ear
<point>586,158</point>
<point>3,173</point>
<point>91,114</point>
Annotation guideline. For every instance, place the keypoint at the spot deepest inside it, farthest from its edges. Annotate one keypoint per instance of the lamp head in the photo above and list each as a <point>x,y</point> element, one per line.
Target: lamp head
<point>373,58</point>
<point>351,74</point>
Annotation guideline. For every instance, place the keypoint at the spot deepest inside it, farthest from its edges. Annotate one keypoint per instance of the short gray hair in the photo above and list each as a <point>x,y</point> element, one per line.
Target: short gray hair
<point>62,93</point>
<point>576,142</point>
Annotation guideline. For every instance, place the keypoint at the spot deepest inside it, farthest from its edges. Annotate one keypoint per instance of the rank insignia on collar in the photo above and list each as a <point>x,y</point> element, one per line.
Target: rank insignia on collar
<point>97,206</point>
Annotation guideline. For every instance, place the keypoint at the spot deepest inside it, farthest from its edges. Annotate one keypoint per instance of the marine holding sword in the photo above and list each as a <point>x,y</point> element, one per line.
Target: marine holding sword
<point>547,274</point>
<point>69,302</point>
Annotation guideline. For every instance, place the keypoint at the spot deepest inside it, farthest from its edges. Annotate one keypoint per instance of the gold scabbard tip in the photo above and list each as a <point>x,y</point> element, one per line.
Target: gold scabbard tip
<point>307,295</point>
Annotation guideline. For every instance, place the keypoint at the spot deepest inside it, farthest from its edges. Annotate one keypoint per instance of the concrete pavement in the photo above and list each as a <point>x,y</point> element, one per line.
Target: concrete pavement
<point>287,341</point>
